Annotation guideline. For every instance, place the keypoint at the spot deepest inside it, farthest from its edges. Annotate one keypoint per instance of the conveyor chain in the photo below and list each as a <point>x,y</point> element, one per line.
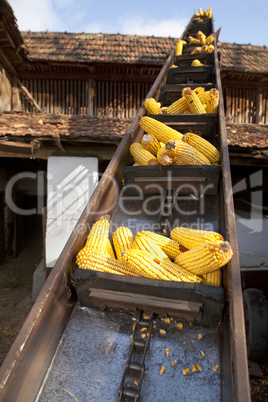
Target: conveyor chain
<point>134,371</point>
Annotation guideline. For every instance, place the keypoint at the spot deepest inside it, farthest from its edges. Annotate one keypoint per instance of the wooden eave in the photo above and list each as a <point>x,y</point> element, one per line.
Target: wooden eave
<point>241,79</point>
<point>11,54</point>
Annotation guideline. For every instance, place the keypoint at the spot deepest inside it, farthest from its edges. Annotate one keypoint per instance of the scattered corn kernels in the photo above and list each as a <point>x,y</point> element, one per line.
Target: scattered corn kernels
<point>135,382</point>
<point>215,368</point>
<point>198,367</point>
<point>143,329</point>
<point>174,363</point>
<point>162,370</point>
<point>167,352</point>
<point>186,371</point>
<point>194,369</point>
<point>200,336</point>
<point>162,332</point>
<point>146,317</point>
<point>202,354</point>
<point>180,325</point>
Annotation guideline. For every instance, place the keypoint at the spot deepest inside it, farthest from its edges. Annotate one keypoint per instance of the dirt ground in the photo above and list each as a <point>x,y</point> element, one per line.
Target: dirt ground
<point>16,275</point>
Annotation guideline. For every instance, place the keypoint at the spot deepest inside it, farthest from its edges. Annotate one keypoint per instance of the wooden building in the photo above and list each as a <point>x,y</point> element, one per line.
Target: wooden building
<point>74,94</point>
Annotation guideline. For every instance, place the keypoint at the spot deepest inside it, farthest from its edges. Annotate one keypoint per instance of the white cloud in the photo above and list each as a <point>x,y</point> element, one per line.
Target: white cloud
<point>139,26</point>
<point>35,15</point>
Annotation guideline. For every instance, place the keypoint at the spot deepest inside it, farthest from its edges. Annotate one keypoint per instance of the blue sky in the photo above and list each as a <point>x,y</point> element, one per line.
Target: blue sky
<point>241,21</point>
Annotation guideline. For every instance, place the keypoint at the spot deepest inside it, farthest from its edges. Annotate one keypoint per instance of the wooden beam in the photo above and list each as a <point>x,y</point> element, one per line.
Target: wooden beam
<point>16,147</point>
<point>29,96</point>
<point>6,63</point>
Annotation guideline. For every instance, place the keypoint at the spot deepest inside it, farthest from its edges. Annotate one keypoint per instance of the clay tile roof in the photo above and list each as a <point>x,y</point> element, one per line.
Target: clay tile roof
<point>45,126</point>
<point>88,48</point>
<point>104,129</point>
<point>247,135</point>
<point>245,58</point>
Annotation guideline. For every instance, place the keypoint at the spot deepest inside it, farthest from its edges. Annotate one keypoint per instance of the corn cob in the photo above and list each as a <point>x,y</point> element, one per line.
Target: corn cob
<point>141,155</point>
<point>194,41</point>
<point>169,246</point>
<point>146,243</point>
<point>197,49</point>
<point>209,39</point>
<point>122,241</point>
<point>190,238</point>
<point>212,278</point>
<point>143,264</point>
<point>210,49</point>
<point>203,146</point>
<point>187,154</point>
<point>205,258</point>
<point>90,259</point>
<point>98,236</point>
<point>136,164</point>
<point>109,250</point>
<point>164,109</point>
<point>177,107</point>
<point>194,102</point>
<point>209,13</point>
<point>181,274</point>
<point>204,97</point>
<point>151,106</point>
<point>150,143</point>
<point>160,130</point>
<point>197,63</point>
<point>212,104</point>
<point>179,47</point>
<point>163,157</point>
<point>201,37</point>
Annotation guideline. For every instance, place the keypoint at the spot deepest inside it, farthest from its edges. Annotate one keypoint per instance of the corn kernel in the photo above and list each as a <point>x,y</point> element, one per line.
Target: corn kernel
<point>174,363</point>
<point>186,371</point>
<point>143,336</point>
<point>200,336</point>
<point>167,320</point>
<point>194,369</point>
<point>180,325</point>
<point>143,329</point>
<point>162,332</point>
<point>215,368</point>
<point>146,317</point>
<point>167,352</point>
<point>162,370</point>
<point>135,382</point>
<point>198,367</point>
<point>202,354</point>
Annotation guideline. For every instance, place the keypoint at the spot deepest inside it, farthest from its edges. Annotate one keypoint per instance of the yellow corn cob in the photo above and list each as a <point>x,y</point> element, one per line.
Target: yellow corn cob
<point>177,107</point>
<point>194,102</point>
<point>209,39</point>
<point>164,158</point>
<point>150,143</point>
<point>194,41</point>
<point>169,246</point>
<point>141,155</point>
<point>207,257</point>
<point>136,164</point>
<point>209,13</point>
<point>180,274</point>
<point>160,130</point>
<point>203,146</point>
<point>187,154</point>
<point>179,47</point>
<point>90,259</point>
<point>204,97</point>
<point>122,241</point>
<point>212,104</point>
<point>146,243</point>
<point>143,264</point>
<point>209,49</point>
<point>151,106</point>
<point>164,109</point>
<point>197,49</point>
<point>196,63</point>
<point>109,250</point>
<point>98,236</point>
<point>190,238</point>
<point>201,37</point>
<point>212,278</point>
